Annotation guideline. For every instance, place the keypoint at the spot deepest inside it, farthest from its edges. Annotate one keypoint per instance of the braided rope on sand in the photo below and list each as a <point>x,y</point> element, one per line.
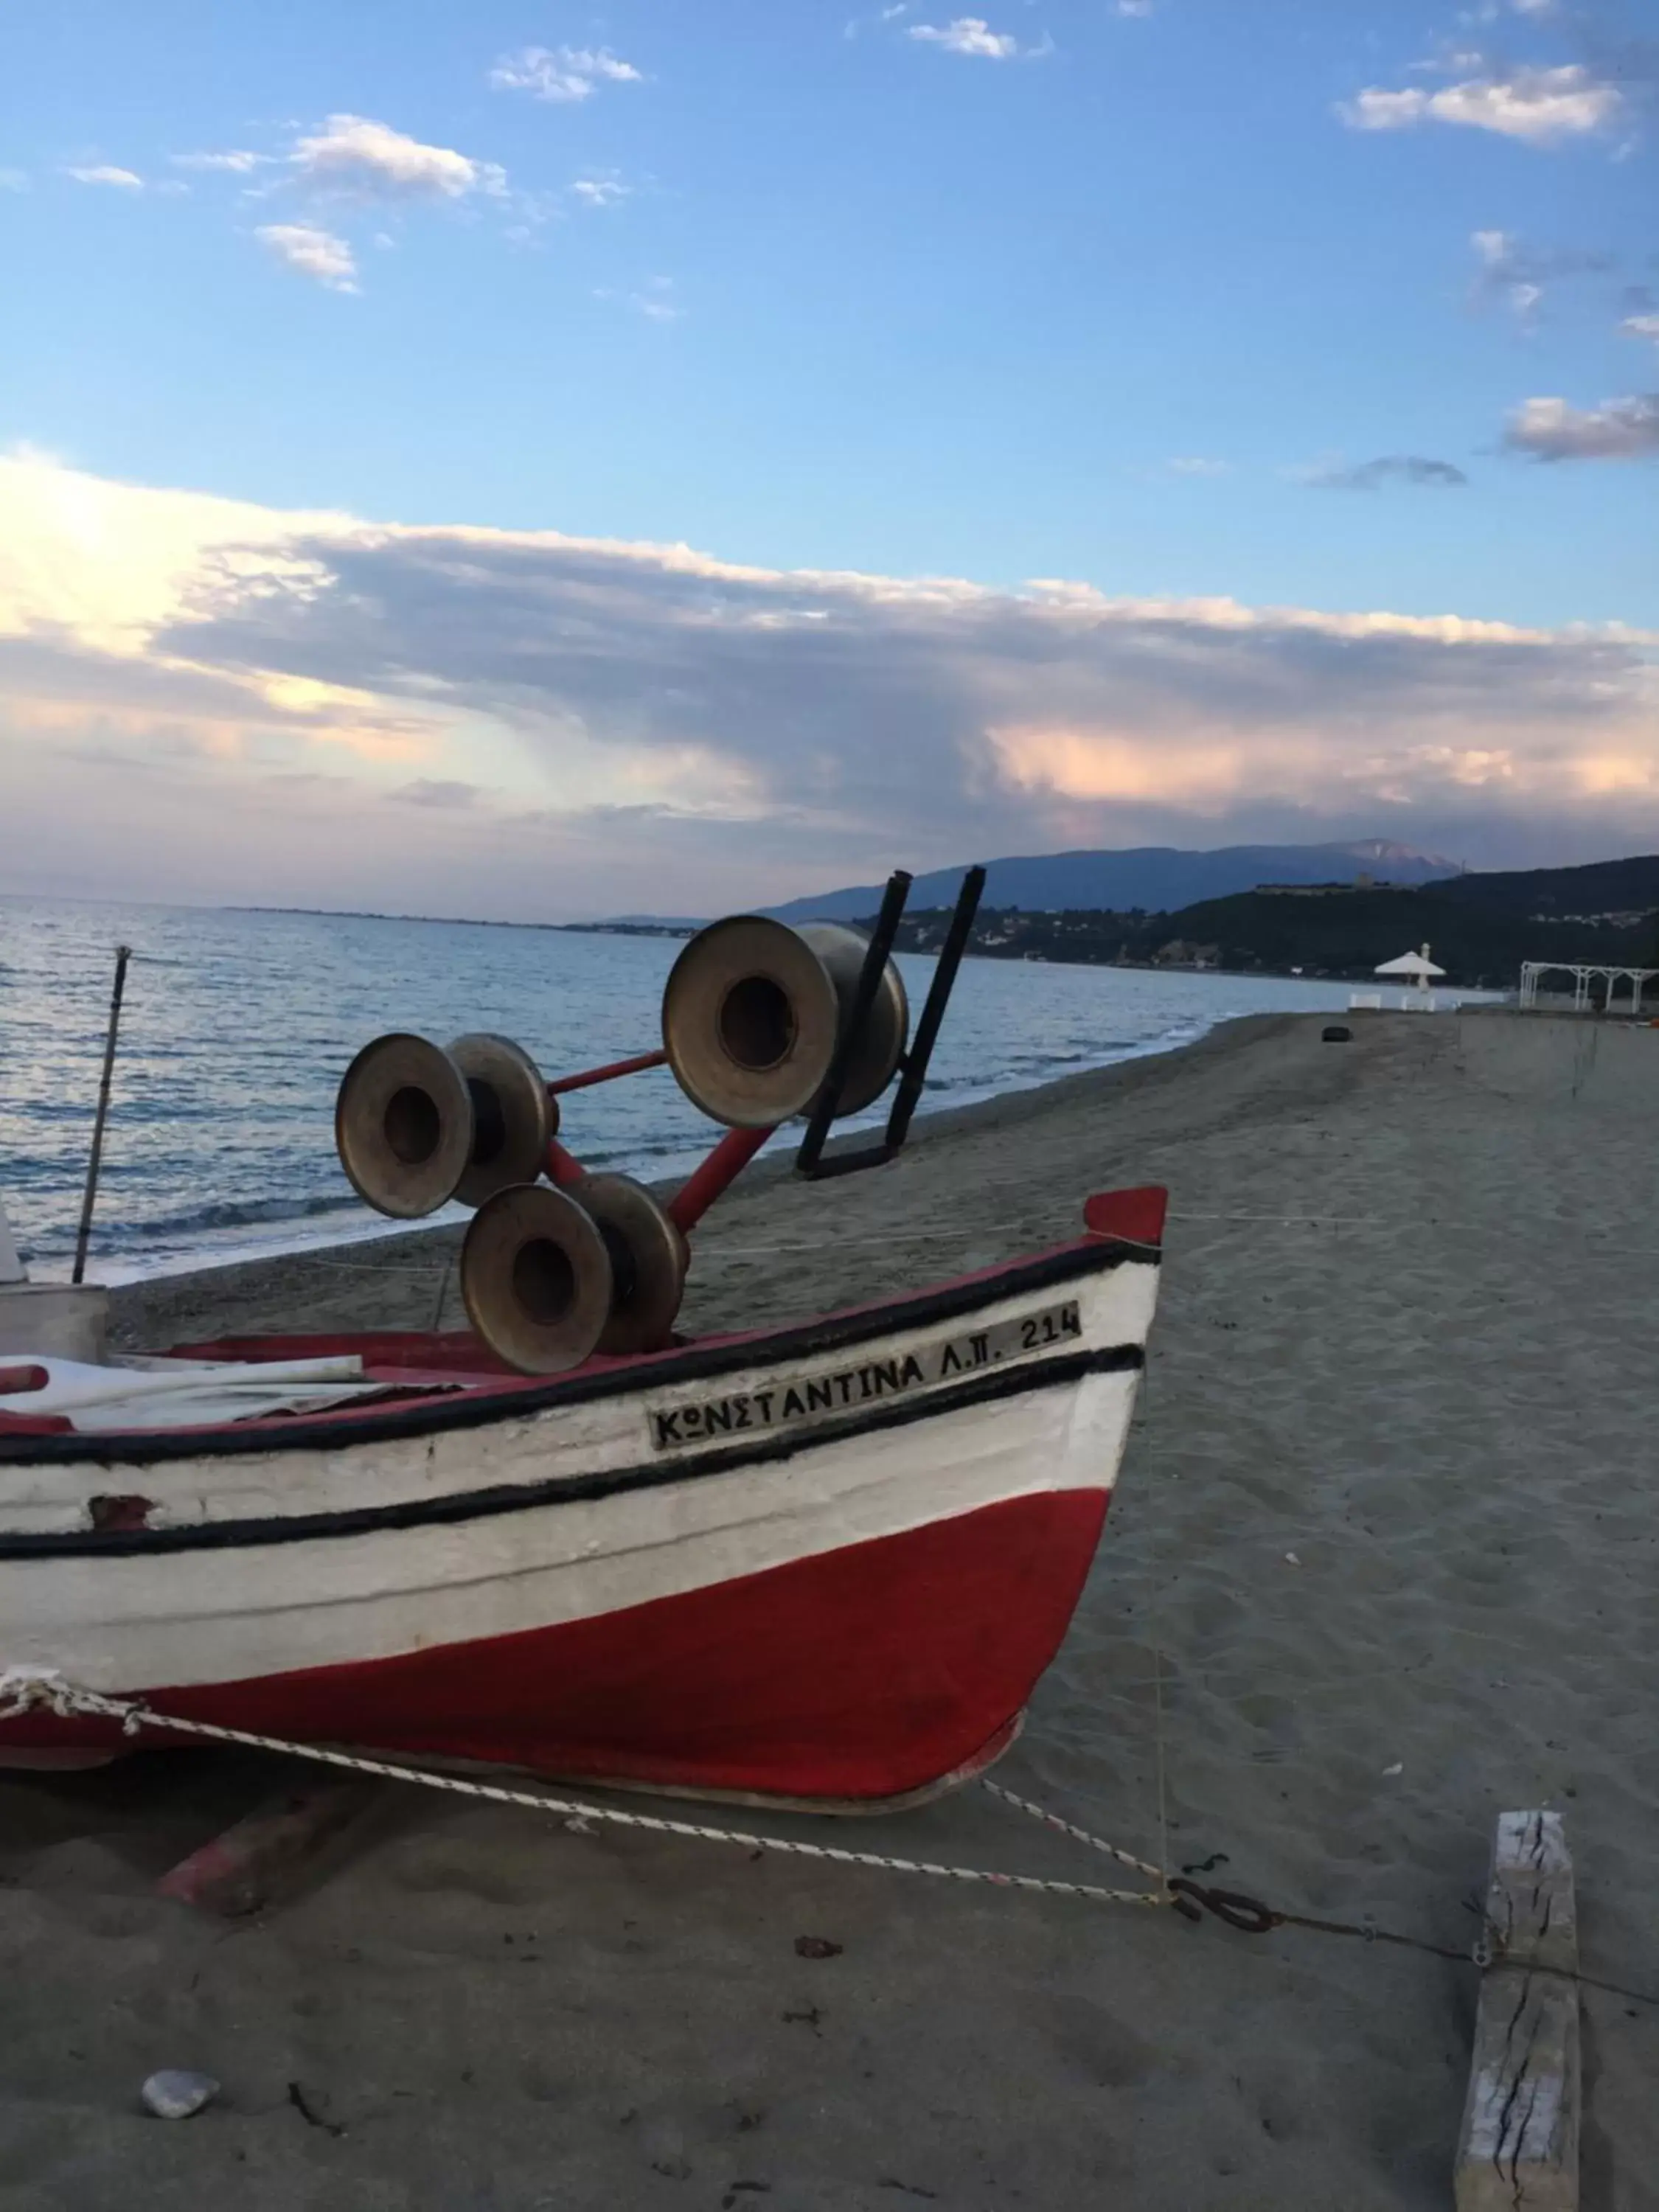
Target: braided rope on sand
<point>24,1690</point>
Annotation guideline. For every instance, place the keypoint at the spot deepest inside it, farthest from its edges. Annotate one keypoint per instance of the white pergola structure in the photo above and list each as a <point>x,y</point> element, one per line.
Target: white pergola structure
<point>1583,975</point>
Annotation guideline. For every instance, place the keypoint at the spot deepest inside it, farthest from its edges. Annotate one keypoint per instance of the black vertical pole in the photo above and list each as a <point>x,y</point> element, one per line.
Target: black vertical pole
<point>945,976</point>
<point>864,997</point>
<point>123,954</point>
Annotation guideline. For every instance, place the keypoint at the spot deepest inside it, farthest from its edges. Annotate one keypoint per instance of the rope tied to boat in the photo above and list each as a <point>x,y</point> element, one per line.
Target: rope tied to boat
<point>24,1690</point>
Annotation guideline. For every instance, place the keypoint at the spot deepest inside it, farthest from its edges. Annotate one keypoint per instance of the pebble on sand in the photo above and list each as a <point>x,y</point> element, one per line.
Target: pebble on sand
<point>175,2093</point>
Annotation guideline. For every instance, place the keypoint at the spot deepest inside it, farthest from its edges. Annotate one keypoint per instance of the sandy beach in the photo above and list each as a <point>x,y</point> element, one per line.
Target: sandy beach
<point>1383,1562</point>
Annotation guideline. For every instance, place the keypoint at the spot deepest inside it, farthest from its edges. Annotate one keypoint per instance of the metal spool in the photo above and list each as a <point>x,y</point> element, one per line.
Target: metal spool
<point>513,1115</point>
<point>537,1278</point>
<point>403,1125</point>
<point>648,1260</point>
<point>752,1012</point>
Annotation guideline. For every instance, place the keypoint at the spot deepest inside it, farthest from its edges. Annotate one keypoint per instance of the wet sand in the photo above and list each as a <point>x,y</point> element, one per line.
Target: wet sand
<point>1387,1537</point>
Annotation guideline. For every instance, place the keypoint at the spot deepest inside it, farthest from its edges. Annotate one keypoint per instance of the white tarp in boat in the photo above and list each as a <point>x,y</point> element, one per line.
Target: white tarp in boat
<point>178,1394</point>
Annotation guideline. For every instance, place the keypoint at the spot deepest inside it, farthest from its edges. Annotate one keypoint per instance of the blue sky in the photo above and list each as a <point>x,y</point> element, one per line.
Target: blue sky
<point>1335,309</point>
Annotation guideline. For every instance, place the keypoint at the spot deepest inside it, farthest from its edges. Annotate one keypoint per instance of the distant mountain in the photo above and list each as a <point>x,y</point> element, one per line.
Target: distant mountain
<point>1156,878</point>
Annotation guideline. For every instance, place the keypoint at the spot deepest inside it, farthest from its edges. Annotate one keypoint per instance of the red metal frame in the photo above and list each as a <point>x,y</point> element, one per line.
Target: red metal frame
<point>608,1073</point>
<point>561,1169</point>
<point>717,1174</point>
<point>701,1188</point>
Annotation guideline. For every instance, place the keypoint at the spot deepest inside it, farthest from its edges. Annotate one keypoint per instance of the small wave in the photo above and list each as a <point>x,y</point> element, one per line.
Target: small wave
<point>661,1148</point>
<point>218,1215</point>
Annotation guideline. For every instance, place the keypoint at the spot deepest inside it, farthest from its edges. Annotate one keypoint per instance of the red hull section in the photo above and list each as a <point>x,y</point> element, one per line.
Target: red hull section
<point>860,1673</point>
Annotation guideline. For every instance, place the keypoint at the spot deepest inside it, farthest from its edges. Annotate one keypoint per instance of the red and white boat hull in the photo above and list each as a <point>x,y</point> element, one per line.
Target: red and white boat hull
<point>825,1565</point>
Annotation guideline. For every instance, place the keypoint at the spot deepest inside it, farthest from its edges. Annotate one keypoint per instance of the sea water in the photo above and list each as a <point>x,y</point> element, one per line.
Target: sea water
<point>238,1025</point>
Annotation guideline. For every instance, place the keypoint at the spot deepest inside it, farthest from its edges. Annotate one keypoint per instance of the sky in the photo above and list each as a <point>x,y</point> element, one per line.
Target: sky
<point>533,462</point>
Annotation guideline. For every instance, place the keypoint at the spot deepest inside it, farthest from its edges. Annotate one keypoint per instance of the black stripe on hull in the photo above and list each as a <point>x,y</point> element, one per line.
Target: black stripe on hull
<point>517,1498</point>
<point>435,1416</point>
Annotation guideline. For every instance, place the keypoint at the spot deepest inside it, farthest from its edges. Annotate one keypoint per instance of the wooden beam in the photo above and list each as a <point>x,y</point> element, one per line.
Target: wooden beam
<point>269,1851</point>
<point>1518,2151</point>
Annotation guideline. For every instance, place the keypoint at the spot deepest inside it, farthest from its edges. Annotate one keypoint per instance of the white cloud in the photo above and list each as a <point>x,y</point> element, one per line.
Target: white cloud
<point>352,154</point>
<point>968,34</point>
<point>1136,7</point>
<point>654,300</point>
<point>561,73</point>
<point>1539,106</point>
<point>1518,274</point>
<point>1616,430</point>
<point>312,253</point>
<point>1193,464</point>
<point>124,181</point>
<point>615,708</point>
<point>14,180</point>
<point>1641,327</point>
<point>1501,275</point>
<point>236,161</point>
<point>600,191</point>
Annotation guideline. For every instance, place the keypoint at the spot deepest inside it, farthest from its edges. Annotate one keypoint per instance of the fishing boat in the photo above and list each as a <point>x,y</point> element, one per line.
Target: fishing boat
<point>823,1564</point>
<point>820,1563</point>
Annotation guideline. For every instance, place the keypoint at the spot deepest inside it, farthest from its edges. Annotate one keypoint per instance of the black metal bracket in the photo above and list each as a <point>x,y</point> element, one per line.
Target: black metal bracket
<point>913,1069</point>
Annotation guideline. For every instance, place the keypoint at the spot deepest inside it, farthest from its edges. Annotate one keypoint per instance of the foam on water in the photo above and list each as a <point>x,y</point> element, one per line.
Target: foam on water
<point>237,1027</point>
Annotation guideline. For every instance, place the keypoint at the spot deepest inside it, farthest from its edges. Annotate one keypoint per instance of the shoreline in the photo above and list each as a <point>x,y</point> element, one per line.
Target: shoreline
<point>130,1274</point>
<point>381,1262</point>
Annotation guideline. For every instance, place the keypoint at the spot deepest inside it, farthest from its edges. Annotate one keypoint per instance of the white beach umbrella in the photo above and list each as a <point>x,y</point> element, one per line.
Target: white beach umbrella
<point>1416,965</point>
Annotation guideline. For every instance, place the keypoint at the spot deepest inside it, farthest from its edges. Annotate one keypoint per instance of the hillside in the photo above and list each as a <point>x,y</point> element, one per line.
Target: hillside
<point>1346,935</point>
<point>1157,877</point>
<point>1602,888</point>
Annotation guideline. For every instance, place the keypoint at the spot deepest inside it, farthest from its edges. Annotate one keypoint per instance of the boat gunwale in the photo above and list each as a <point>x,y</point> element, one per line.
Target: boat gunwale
<point>510,1401</point>
<point>1021,1379</point>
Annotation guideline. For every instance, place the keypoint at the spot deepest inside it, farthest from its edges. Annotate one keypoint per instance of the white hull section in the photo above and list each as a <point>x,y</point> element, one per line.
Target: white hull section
<point>210,1616</point>
<point>266,1604</point>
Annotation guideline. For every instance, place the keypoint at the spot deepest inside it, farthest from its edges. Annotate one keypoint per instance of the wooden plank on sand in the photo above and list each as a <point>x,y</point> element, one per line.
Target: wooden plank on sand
<point>1519,2147</point>
<point>269,1851</point>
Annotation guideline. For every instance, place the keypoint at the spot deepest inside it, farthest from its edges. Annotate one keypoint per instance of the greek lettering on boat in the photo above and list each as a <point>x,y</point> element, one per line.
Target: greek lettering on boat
<point>789,1400</point>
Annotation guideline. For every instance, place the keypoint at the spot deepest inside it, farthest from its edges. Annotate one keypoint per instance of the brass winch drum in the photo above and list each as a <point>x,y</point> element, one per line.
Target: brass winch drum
<point>402,1125</point>
<point>537,1278</point>
<point>752,1012</point>
<point>513,1116</point>
<point>417,1124</point>
<point>648,1260</point>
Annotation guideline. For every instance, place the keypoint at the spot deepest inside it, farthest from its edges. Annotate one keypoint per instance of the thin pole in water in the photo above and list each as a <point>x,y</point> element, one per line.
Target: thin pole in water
<point>123,954</point>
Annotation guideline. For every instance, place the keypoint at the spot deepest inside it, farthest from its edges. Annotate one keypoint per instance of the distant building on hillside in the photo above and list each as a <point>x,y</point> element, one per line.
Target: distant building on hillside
<point>1361,883</point>
<point>1627,917</point>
